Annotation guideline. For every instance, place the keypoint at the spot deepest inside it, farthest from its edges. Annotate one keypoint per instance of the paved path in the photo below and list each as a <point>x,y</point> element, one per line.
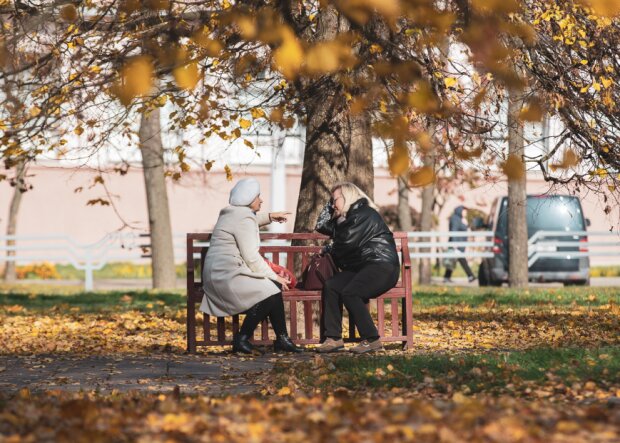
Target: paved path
<point>212,374</point>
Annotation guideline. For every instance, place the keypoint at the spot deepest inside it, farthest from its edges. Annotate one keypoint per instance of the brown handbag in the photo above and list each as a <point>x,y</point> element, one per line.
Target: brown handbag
<point>319,270</point>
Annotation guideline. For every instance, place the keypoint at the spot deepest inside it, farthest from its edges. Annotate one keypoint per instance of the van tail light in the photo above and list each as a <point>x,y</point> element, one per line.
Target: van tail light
<point>583,248</point>
<point>497,245</point>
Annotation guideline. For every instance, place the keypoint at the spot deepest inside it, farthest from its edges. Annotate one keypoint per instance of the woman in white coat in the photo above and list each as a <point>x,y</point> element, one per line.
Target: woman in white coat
<point>236,277</point>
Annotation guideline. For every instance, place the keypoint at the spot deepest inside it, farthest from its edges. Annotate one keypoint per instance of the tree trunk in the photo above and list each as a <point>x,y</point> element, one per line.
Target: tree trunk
<point>162,251</point>
<point>426,221</point>
<point>338,144</point>
<point>517,200</point>
<point>11,227</point>
<point>404,211</point>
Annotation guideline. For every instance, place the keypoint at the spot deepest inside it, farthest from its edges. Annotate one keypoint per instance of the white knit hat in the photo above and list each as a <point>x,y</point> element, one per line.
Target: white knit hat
<point>244,192</point>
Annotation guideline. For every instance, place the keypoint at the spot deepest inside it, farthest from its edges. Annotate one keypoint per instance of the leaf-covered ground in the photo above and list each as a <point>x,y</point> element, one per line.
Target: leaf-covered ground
<point>497,366</point>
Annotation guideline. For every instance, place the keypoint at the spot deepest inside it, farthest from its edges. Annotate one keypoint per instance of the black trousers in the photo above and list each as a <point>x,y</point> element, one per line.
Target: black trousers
<point>354,289</point>
<point>465,266</point>
<point>272,307</point>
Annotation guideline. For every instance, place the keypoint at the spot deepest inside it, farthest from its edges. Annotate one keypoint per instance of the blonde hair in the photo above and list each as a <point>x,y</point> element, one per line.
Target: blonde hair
<point>351,194</point>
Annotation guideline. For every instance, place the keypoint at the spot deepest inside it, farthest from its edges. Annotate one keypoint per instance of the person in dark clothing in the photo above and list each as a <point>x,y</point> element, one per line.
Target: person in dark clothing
<point>456,223</point>
<point>364,250</point>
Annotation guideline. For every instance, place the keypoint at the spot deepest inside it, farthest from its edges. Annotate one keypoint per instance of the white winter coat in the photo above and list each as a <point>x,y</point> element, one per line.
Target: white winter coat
<point>235,276</point>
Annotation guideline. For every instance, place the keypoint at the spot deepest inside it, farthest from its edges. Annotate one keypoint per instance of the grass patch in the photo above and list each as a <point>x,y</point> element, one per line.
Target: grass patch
<point>113,270</point>
<point>479,372</point>
<point>88,302</point>
<point>437,296</point>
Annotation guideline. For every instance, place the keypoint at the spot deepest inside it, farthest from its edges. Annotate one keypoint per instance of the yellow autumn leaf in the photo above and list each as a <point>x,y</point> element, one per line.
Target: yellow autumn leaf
<point>357,105</point>
<point>79,130</point>
<point>532,111</point>
<point>229,175</point>
<point>289,56</point>
<point>136,79</point>
<point>247,27</point>
<point>157,5</point>
<point>604,8</point>
<point>399,160</point>
<point>569,160</point>
<point>607,82</point>
<point>327,57</point>
<point>257,113</point>
<point>209,164</point>
<point>35,111</point>
<point>3,126</point>
<point>514,168</point>
<point>361,11</point>
<point>450,81</point>
<point>584,89</point>
<point>596,86</point>
<point>69,13</point>
<point>245,124</point>
<point>187,76</point>
<point>276,115</point>
<point>212,47</point>
<point>284,391</point>
<point>421,177</point>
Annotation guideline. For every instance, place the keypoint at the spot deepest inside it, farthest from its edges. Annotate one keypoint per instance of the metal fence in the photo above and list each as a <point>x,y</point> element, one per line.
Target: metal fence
<point>132,247</point>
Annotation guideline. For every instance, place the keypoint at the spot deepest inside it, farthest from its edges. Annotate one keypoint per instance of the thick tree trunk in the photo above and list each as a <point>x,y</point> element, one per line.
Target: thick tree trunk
<point>162,251</point>
<point>426,222</point>
<point>11,227</point>
<point>338,148</point>
<point>517,200</point>
<point>338,144</point>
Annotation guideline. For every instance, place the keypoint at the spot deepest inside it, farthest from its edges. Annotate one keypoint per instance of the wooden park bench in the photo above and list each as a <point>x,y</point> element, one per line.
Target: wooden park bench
<point>218,331</point>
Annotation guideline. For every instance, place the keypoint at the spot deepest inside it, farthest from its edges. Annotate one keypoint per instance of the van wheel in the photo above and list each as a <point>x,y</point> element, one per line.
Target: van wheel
<point>484,276</point>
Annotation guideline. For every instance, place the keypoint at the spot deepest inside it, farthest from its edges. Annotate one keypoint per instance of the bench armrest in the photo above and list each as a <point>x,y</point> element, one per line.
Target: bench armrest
<point>404,244</point>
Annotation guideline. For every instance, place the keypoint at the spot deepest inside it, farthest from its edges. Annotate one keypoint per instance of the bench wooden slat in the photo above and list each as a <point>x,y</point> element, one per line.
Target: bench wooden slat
<point>264,330</point>
<point>293,331</point>
<point>394,317</point>
<point>381,316</point>
<point>308,321</point>
<point>221,329</point>
<point>206,326</point>
<point>235,324</point>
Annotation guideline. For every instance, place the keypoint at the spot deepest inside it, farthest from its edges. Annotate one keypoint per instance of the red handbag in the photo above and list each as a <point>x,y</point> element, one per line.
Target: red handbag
<point>319,270</point>
<point>283,272</point>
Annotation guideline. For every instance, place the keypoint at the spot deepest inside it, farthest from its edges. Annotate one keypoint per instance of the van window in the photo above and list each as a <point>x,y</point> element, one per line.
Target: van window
<point>548,213</point>
<point>554,213</point>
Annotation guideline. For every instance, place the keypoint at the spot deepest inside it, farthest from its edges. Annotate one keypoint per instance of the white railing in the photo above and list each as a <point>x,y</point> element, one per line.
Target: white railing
<point>538,247</point>
<point>478,244</point>
<point>87,257</point>
<point>91,257</point>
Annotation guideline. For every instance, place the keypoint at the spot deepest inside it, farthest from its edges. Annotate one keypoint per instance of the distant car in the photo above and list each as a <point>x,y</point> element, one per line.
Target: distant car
<point>544,213</point>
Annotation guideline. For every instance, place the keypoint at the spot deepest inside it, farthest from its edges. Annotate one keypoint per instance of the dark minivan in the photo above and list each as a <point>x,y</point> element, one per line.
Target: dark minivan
<point>544,213</point>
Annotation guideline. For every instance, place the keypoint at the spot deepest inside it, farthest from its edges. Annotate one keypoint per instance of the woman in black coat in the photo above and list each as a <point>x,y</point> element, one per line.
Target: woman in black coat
<point>364,250</point>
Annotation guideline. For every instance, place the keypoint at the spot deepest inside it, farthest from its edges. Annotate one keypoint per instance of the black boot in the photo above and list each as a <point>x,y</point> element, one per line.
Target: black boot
<point>242,345</point>
<point>284,344</point>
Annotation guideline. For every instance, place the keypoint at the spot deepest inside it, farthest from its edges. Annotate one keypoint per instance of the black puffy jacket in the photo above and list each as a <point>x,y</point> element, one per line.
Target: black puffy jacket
<point>361,239</point>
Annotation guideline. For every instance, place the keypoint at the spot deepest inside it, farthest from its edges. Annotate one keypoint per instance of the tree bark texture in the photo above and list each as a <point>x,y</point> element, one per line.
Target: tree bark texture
<point>404,211</point>
<point>426,221</point>
<point>517,200</point>
<point>11,228</point>
<point>162,250</point>
<point>338,143</point>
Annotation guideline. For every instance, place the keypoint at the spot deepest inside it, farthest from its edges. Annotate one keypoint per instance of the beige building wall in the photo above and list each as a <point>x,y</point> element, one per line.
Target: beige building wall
<point>58,202</point>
